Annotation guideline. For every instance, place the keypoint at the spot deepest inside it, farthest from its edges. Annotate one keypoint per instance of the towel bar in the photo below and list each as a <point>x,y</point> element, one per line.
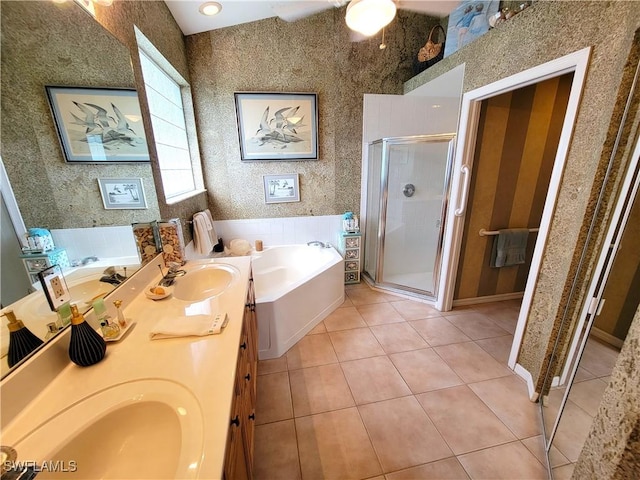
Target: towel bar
<point>486,233</point>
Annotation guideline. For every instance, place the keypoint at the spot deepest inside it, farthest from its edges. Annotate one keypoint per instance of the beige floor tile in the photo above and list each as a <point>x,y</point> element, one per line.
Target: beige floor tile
<point>311,351</point>
<point>319,389</point>
<point>343,319</point>
<point>398,337</point>
<point>572,431</point>
<point>476,325</point>
<point>505,318</point>
<point>365,296</point>
<point>509,462</point>
<point>402,434</point>
<point>355,343</point>
<point>470,362</point>
<point>508,398</point>
<point>464,421</point>
<point>588,395</point>
<point>498,347</point>
<point>276,451</point>
<point>536,446</point>
<point>274,365</point>
<point>319,328</point>
<point>335,445</point>
<point>583,374</point>
<point>563,473</point>
<point>273,398</point>
<point>412,310</point>
<point>379,313</point>
<point>448,469</point>
<point>424,370</point>
<point>598,358</point>
<point>374,379</point>
<point>347,302</point>
<point>439,331</point>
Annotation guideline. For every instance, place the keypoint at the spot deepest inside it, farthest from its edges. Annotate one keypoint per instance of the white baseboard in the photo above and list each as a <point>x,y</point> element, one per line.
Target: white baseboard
<point>488,299</point>
<point>607,337</point>
<point>524,373</point>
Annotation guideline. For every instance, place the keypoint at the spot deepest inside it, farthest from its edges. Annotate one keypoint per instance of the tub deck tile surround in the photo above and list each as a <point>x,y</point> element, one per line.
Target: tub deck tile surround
<point>389,413</point>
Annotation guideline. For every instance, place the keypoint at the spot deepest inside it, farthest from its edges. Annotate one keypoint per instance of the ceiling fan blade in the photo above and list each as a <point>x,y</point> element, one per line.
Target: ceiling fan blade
<point>292,11</point>
<point>439,8</point>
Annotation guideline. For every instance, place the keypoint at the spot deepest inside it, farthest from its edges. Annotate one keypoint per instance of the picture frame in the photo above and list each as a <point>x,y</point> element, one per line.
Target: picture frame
<point>122,193</point>
<point>277,126</point>
<point>98,125</point>
<point>281,188</point>
<point>467,22</point>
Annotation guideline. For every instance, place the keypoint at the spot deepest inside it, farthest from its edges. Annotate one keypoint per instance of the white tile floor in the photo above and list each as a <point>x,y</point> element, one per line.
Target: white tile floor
<point>392,388</point>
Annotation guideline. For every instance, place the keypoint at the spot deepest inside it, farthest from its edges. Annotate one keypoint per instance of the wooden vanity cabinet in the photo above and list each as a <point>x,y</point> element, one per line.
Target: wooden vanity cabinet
<point>239,450</point>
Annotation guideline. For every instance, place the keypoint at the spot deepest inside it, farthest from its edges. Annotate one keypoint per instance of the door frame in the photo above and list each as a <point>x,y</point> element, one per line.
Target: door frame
<point>577,63</point>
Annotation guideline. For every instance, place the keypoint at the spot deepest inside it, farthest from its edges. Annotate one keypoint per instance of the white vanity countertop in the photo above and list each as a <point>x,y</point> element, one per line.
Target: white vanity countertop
<point>204,365</point>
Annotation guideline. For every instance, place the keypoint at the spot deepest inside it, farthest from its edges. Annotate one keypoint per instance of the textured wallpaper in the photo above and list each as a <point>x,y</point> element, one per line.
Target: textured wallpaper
<point>49,44</point>
<point>315,54</point>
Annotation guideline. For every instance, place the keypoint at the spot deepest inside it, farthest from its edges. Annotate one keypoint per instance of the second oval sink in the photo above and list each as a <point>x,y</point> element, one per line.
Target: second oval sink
<point>205,281</point>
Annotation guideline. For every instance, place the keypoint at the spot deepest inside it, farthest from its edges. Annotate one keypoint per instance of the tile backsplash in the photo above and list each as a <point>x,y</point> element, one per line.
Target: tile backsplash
<point>101,242</point>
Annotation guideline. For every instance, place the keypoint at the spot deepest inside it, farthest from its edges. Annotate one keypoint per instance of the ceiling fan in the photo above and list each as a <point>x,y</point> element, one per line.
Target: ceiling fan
<point>366,17</point>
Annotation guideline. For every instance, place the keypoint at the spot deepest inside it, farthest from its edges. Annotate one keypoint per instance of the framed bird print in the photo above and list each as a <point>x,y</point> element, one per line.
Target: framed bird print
<point>98,125</point>
<point>277,126</point>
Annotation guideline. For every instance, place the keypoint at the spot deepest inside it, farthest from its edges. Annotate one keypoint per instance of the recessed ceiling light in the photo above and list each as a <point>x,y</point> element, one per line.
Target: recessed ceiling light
<point>210,8</point>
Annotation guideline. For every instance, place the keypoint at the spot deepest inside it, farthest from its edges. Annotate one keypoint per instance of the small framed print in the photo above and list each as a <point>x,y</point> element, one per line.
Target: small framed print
<point>122,193</point>
<point>281,188</point>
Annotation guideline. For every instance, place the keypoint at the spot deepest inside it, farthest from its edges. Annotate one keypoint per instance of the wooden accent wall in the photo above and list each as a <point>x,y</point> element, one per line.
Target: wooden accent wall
<point>516,145</point>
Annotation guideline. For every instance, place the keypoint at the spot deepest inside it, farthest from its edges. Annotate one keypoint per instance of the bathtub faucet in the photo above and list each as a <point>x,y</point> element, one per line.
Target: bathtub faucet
<point>316,243</point>
<point>111,276</point>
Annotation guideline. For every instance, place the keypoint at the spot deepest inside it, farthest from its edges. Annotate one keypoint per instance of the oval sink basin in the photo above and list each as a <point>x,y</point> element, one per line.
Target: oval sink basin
<point>205,281</point>
<point>142,429</point>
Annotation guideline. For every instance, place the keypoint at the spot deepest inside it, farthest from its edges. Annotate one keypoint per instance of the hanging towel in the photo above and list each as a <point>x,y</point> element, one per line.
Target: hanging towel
<point>201,233</point>
<point>509,247</point>
<point>212,231</point>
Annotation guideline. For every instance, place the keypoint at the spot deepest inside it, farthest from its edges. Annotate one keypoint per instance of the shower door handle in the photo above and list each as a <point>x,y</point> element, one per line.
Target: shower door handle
<point>464,170</point>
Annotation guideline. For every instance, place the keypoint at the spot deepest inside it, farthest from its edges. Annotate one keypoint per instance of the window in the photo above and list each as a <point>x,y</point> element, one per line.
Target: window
<point>165,92</point>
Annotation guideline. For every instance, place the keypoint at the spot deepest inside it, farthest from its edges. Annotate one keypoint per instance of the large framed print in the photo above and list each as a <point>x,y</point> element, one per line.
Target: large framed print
<point>98,125</point>
<point>277,126</point>
<point>469,21</point>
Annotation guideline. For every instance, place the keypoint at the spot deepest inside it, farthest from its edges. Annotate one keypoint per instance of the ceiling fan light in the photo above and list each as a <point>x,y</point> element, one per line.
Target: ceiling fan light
<point>210,8</point>
<point>370,16</point>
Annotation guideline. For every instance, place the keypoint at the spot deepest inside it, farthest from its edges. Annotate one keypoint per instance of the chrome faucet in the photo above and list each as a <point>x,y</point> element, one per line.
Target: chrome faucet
<point>316,243</point>
<point>111,276</point>
<point>173,272</point>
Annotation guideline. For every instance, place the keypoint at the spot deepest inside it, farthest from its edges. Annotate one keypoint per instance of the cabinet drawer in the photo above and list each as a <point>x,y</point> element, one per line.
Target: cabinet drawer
<point>352,242</point>
<point>36,264</point>
<point>352,254</point>
<point>352,277</point>
<point>351,265</point>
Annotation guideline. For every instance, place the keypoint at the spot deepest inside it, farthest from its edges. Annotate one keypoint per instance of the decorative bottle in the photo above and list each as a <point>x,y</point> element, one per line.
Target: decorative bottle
<point>21,340</point>
<point>86,346</point>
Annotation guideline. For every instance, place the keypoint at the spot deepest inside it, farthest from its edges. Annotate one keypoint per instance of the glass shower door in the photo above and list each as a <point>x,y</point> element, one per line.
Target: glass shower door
<point>417,187</point>
<point>373,209</point>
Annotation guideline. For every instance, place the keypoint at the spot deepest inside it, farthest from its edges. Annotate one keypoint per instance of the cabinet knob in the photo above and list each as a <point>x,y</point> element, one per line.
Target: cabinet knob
<point>236,421</point>
<point>243,345</point>
<point>252,416</point>
<point>247,377</point>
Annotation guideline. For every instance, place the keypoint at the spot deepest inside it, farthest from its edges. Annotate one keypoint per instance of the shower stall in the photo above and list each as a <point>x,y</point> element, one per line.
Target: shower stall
<point>408,180</point>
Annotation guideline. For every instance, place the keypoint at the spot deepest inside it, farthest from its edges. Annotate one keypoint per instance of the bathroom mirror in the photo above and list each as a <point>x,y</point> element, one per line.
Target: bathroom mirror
<point>47,43</point>
<point>571,405</point>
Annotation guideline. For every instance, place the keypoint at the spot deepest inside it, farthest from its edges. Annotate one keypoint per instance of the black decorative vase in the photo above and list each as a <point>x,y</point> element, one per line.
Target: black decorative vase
<point>21,343</point>
<point>87,346</point>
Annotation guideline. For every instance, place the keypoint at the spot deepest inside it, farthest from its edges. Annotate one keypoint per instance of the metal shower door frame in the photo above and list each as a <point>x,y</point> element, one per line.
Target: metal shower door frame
<point>384,199</point>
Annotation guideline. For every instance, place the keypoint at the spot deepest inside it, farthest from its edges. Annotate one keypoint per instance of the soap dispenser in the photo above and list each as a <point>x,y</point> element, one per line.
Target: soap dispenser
<point>86,346</point>
<point>21,341</point>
